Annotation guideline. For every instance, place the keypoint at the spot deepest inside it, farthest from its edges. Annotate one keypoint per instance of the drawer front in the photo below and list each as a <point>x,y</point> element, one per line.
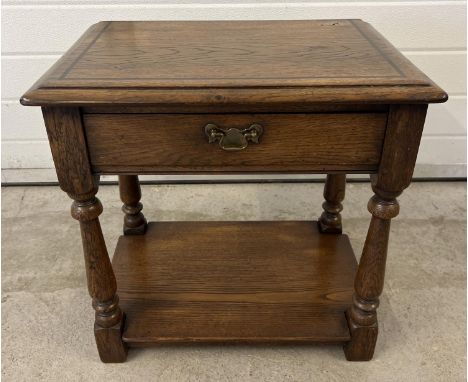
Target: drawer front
<point>162,143</point>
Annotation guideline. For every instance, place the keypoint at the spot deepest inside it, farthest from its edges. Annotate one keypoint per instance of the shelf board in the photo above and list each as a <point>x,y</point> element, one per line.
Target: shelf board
<point>234,282</point>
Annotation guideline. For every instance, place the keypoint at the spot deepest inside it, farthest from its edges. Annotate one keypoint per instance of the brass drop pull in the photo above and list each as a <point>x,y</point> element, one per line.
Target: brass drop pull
<point>233,139</point>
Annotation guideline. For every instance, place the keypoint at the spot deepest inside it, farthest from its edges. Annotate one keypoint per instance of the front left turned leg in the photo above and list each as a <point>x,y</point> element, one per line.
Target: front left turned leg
<point>130,194</point>
<point>102,286</point>
<point>368,284</point>
<point>334,193</point>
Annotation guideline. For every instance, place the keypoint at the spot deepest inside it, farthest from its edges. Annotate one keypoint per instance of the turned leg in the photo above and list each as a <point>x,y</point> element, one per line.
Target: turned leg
<point>68,145</point>
<point>368,284</point>
<point>130,194</point>
<point>102,286</point>
<point>403,134</point>
<point>334,193</point>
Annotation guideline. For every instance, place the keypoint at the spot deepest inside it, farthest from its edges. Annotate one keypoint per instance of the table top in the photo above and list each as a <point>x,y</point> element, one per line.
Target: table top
<point>163,62</point>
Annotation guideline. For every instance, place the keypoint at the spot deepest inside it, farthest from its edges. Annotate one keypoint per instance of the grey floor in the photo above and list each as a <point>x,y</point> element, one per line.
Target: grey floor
<point>47,316</point>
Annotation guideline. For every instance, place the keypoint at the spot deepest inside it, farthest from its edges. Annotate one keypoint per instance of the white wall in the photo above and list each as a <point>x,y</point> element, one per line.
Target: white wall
<point>36,32</point>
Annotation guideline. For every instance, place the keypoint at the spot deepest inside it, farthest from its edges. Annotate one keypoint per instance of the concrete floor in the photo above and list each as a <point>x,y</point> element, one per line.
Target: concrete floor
<point>47,316</point>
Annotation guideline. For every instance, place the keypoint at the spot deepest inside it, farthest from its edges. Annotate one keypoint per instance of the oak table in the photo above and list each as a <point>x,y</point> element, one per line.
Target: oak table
<point>323,96</point>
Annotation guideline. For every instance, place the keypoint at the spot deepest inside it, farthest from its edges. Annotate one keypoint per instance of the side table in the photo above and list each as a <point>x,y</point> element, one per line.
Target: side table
<point>324,96</point>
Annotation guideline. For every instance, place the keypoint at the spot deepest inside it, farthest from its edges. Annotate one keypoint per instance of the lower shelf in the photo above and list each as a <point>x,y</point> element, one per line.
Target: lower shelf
<point>234,282</point>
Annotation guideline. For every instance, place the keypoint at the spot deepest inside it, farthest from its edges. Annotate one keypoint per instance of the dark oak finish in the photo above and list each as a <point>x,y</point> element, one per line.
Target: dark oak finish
<point>362,316</point>
<point>68,145</point>
<point>230,108</point>
<point>149,143</point>
<point>130,194</point>
<point>102,286</point>
<point>239,282</point>
<point>323,96</point>
<point>66,137</point>
<point>405,125</point>
<point>404,129</point>
<point>334,193</point>
<point>67,142</point>
<point>182,62</point>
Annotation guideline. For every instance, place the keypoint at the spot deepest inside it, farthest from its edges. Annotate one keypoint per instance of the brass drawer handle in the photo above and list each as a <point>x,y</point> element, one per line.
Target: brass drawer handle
<point>233,139</point>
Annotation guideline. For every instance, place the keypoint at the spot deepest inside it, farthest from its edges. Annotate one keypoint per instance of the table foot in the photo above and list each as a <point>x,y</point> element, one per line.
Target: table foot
<point>363,339</point>
<point>140,230</point>
<point>109,342</point>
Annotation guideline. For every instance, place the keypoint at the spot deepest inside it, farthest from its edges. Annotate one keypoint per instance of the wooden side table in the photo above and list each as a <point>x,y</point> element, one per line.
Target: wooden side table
<point>325,96</point>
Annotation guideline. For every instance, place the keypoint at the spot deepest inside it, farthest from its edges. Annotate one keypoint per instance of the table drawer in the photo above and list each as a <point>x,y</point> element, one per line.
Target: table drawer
<point>158,143</point>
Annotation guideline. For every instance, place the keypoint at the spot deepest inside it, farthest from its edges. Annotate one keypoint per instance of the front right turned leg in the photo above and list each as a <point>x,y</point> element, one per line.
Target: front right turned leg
<point>369,281</point>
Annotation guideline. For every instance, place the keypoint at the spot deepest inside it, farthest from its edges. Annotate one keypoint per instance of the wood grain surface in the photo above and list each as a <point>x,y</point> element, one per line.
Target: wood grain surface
<point>68,146</point>
<point>234,281</point>
<point>331,96</point>
<point>334,193</point>
<point>115,60</point>
<point>290,142</point>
